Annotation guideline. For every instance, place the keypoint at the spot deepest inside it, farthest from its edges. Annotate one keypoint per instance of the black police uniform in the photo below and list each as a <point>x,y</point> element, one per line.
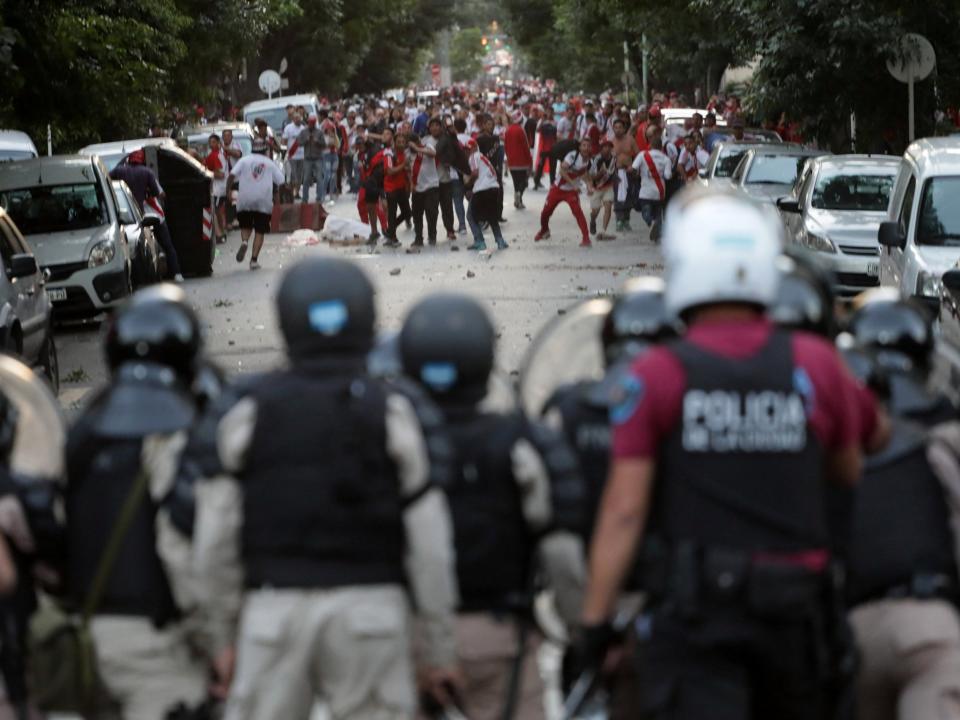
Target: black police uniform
<point>736,624</point>
<point>901,542</point>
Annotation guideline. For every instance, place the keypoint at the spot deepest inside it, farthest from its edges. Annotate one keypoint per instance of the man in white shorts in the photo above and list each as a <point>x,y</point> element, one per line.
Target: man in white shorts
<point>603,170</point>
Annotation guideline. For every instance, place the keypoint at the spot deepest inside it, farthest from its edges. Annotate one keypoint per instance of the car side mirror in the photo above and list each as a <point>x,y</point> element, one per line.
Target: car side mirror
<point>951,280</point>
<point>151,221</point>
<point>788,205</point>
<point>23,265</point>
<point>889,235</point>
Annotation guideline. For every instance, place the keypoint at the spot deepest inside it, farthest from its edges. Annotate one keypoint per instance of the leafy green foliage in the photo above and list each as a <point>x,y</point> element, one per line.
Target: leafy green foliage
<point>466,54</point>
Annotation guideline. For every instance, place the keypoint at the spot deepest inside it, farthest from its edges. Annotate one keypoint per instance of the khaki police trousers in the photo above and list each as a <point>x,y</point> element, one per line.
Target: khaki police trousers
<point>348,646</point>
<point>146,671</point>
<point>910,664</point>
<point>487,650</point>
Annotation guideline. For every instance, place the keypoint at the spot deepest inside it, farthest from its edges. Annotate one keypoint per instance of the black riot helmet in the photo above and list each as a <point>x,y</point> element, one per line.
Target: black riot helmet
<point>899,330</point>
<point>447,344</point>
<point>637,319</point>
<point>326,305</point>
<point>805,299</point>
<point>156,326</point>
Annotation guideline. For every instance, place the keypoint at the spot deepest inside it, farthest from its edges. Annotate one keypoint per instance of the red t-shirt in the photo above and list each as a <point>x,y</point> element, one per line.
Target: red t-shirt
<point>517,148</point>
<point>212,161</point>
<point>842,414</point>
<point>397,181</point>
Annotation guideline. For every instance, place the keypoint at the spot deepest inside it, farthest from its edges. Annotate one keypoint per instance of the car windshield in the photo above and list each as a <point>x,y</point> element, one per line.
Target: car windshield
<point>728,161</point>
<point>939,220</point>
<point>56,208</point>
<point>202,147</point>
<point>8,155</point>
<point>275,117</point>
<point>112,159</point>
<point>775,169</point>
<point>836,190</point>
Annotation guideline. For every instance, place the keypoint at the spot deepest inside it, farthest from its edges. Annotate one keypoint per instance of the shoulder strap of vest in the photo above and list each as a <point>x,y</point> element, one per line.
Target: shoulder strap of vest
<point>117,536</point>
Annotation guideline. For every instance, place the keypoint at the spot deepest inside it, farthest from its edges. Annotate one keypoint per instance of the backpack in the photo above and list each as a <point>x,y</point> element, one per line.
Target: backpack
<point>563,148</point>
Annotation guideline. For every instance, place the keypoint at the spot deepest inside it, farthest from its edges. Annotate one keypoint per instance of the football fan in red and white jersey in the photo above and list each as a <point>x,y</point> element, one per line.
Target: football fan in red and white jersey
<point>567,190</point>
<point>426,183</point>
<point>693,157</point>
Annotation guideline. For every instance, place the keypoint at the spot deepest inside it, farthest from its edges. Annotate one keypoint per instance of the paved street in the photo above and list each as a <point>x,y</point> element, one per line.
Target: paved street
<point>524,286</point>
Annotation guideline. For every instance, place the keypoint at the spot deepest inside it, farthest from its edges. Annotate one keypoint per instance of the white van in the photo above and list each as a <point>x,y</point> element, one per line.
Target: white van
<point>921,239</point>
<point>111,153</point>
<point>16,145</point>
<point>274,111</point>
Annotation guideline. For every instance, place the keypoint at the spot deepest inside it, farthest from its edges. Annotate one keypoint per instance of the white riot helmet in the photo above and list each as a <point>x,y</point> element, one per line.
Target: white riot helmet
<point>719,247</point>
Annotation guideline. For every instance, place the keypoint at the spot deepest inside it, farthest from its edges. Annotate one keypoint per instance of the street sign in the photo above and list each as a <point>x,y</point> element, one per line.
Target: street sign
<point>269,82</point>
<point>913,60</point>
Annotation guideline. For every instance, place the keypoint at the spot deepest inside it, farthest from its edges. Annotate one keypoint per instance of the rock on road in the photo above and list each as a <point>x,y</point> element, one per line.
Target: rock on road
<point>524,287</point>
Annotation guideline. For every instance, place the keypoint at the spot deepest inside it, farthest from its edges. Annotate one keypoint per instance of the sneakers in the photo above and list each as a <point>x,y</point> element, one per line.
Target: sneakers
<point>418,242</point>
<point>619,225</point>
<point>432,241</point>
<point>585,243</point>
<point>593,226</point>
<point>461,230</point>
<point>372,240</point>
<point>242,252</point>
<point>254,265</point>
<point>178,278</point>
<point>502,245</point>
<point>392,243</point>
<point>478,246</point>
<point>451,235</point>
<point>542,235</point>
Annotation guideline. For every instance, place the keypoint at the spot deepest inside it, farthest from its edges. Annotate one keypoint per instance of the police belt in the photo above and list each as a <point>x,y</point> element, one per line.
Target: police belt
<point>923,586</point>
<point>689,578</point>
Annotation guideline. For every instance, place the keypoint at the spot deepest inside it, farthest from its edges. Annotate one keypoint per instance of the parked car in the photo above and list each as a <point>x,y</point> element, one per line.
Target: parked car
<point>750,135</point>
<point>16,145</point>
<point>111,153</point>
<point>723,162</point>
<point>921,237</point>
<point>65,206</point>
<point>148,264</point>
<point>274,111</point>
<point>835,212</point>
<point>767,173</point>
<point>26,313</point>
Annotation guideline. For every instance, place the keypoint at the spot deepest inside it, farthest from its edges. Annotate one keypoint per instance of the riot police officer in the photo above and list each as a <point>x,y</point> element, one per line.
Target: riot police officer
<point>901,334</point>
<point>805,298</point>
<point>126,567</point>
<point>904,540</point>
<point>637,319</point>
<point>515,492</point>
<point>721,445</point>
<point>32,442</point>
<point>326,515</point>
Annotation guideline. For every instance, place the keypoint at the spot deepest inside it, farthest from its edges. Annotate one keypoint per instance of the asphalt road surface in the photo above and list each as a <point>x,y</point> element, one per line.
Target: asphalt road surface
<point>524,287</point>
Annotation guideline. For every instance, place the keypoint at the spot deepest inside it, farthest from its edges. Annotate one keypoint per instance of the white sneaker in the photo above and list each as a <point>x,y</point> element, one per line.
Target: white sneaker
<point>178,278</point>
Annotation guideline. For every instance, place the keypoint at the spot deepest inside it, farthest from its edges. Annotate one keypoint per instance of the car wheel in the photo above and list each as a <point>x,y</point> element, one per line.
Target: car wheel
<point>50,362</point>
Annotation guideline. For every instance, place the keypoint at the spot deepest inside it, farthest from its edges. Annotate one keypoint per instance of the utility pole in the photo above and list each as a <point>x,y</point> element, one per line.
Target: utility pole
<point>646,70</point>
<point>626,72</point>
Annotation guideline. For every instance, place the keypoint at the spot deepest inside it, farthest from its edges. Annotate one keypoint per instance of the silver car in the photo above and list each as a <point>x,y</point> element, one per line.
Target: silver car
<point>836,212</point>
<point>65,206</point>
<point>767,173</point>
<point>26,313</point>
<point>724,159</point>
<point>148,264</point>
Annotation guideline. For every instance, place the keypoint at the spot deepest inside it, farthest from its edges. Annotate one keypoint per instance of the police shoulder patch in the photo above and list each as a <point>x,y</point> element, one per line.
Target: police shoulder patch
<point>625,397</point>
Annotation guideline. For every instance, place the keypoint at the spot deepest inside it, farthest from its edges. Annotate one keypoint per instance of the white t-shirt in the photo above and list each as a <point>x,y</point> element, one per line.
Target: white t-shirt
<point>692,162</point>
<point>425,168</point>
<point>220,184</point>
<point>290,133</point>
<point>463,139</point>
<point>487,177</point>
<point>648,185</point>
<point>577,164</point>
<point>257,174</point>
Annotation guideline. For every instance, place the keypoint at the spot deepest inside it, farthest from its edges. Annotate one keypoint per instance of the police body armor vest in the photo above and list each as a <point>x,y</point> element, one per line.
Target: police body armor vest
<point>901,519</point>
<point>322,502</point>
<point>586,427</point>
<point>101,474</point>
<point>742,470</point>
<point>493,542</point>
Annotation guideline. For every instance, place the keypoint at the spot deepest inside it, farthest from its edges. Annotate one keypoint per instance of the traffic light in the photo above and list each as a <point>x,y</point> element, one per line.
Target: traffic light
<point>483,41</point>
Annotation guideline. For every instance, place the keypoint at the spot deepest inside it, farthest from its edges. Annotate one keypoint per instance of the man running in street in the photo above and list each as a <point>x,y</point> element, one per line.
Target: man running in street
<point>567,189</point>
<point>259,177</point>
<point>654,168</point>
